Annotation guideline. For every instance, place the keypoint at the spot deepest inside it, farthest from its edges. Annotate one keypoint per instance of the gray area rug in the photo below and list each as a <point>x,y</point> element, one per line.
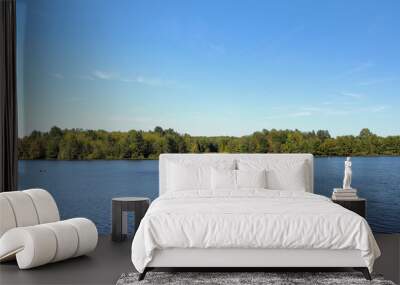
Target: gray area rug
<point>225,278</point>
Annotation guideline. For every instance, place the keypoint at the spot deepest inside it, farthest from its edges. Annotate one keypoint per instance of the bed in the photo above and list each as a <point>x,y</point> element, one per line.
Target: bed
<point>245,211</point>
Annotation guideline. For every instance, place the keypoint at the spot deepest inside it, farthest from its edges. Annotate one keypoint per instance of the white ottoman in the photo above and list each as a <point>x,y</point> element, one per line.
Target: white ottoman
<point>33,243</point>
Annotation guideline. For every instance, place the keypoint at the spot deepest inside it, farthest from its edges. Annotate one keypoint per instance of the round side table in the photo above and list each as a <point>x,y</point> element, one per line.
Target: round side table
<point>120,208</point>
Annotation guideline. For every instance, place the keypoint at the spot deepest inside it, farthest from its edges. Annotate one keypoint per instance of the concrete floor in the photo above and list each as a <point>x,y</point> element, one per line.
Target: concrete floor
<point>110,260</point>
<point>103,266</point>
<point>389,262</point>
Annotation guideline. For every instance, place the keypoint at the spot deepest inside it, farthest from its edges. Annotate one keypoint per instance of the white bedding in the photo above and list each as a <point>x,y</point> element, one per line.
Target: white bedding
<point>250,218</point>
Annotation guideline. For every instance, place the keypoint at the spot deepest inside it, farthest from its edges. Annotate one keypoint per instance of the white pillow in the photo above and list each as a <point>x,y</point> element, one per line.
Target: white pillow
<point>288,178</point>
<point>223,179</point>
<point>281,174</point>
<point>251,178</point>
<point>186,177</point>
<point>193,175</point>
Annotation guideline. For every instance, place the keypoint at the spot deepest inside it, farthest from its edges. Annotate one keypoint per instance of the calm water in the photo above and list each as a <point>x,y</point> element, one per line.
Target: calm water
<point>85,188</point>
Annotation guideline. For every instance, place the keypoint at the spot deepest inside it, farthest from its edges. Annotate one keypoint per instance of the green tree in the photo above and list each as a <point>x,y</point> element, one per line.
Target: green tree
<point>136,144</point>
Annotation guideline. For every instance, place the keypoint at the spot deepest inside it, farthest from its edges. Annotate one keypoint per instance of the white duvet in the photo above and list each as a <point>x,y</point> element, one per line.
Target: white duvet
<point>250,219</point>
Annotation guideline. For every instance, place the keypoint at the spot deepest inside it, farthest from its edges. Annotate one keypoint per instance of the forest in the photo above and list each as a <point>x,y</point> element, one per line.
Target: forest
<point>79,144</point>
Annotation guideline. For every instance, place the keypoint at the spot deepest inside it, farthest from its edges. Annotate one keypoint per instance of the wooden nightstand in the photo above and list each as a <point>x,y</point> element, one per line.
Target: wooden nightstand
<point>358,206</point>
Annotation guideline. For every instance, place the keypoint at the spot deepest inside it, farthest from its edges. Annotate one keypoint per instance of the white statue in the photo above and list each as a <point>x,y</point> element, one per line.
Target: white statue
<point>347,174</point>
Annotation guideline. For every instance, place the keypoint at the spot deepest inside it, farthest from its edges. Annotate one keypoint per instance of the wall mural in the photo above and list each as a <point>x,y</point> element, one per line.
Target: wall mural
<point>104,89</point>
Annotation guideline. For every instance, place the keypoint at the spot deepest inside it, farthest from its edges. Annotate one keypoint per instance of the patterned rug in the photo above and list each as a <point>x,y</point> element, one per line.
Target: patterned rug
<point>228,278</point>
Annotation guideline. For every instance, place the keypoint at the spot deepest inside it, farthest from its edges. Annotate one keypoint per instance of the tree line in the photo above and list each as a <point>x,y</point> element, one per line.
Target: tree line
<point>79,144</point>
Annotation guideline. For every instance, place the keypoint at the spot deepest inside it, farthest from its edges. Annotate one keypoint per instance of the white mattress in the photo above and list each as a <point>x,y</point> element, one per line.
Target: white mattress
<point>250,219</point>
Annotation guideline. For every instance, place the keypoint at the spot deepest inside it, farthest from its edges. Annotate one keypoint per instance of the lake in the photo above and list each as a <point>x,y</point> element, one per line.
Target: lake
<point>85,188</point>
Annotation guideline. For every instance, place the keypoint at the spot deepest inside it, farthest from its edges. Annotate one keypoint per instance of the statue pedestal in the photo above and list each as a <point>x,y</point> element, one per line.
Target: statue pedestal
<point>344,190</point>
<point>344,194</point>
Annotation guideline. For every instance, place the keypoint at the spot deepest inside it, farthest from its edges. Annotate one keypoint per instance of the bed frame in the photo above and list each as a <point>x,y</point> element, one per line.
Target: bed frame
<point>249,259</point>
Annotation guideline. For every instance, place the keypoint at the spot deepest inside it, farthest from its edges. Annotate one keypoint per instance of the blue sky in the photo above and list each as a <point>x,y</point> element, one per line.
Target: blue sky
<point>209,67</point>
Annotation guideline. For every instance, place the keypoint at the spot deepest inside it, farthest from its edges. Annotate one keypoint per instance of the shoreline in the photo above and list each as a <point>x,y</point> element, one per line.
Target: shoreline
<point>155,159</point>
